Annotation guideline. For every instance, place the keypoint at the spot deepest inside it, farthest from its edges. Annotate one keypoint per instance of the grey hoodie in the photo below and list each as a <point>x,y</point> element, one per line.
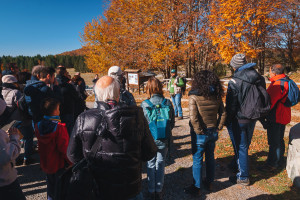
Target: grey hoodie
<point>9,151</point>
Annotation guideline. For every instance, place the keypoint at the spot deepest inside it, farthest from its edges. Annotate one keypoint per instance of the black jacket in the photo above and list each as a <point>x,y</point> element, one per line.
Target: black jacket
<point>238,87</point>
<point>70,96</point>
<point>126,142</point>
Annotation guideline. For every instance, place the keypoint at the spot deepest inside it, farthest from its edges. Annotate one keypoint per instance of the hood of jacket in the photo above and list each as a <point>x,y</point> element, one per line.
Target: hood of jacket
<point>45,129</point>
<point>247,73</point>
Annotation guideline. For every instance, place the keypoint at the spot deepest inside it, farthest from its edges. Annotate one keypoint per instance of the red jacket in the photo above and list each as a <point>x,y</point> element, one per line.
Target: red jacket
<point>53,140</point>
<point>281,114</point>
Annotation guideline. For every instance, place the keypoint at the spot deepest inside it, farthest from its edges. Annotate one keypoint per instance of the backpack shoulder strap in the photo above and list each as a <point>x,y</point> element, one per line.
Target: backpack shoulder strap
<point>282,81</point>
<point>97,144</point>
<point>164,102</point>
<point>149,103</point>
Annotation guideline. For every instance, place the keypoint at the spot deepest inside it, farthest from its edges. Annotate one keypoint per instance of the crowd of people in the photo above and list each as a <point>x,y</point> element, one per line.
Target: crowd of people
<point>103,148</point>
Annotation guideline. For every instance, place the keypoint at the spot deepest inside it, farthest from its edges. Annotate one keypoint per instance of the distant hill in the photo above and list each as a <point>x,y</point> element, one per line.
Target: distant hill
<point>76,52</point>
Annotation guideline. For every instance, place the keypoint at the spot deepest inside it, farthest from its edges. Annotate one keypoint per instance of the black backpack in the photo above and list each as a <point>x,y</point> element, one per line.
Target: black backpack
<point>256,102</point>
<point>23,107</point>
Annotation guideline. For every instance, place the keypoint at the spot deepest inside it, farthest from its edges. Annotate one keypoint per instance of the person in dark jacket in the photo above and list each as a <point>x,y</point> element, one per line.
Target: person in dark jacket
<point>70,96</point>
<point>37,90</point>
<point>53,140</point>
<point>125,96</point>
<point>156,166</point>
<point>126,142</point>
<point>207,117</point>
<point>242,127</point>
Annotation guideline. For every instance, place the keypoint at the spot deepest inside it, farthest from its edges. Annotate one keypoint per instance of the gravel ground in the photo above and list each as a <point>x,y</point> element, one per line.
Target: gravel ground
<point>178,174</point>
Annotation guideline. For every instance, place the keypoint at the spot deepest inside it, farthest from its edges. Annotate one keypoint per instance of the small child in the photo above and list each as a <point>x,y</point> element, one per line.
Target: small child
<point>53,140</point>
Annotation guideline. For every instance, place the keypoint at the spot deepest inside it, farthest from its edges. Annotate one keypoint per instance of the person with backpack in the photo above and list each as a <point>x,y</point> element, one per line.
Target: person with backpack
<point>42,85</point>
<point>207,117</point>
<point>10,149</point>
<point>159,113</point>
<point>123,141</point>
<point>281,91</point>
<point>53,140</point>
<point>175,87</point>
<point>247,100</point>
<point>12,95</point>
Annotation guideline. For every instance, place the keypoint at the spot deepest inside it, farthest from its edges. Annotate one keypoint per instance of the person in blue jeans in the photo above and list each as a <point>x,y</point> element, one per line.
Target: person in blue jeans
<point>244,78</point>
<point>156,166</point>
<point>175,86</point>
<point>207,117</point>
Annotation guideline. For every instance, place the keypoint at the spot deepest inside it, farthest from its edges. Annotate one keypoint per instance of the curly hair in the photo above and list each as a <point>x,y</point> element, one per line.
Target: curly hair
<point>207,83</point>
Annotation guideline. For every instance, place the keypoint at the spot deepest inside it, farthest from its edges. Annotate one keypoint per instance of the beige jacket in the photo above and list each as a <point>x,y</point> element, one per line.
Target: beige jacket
<point>206,113</point>
<point>9,151</point>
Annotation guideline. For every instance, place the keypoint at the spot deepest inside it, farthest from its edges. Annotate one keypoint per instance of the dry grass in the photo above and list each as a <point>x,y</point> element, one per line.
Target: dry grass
<point>276,183</point>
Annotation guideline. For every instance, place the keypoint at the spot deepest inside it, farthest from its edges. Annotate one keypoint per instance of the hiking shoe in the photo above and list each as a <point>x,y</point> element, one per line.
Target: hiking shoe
<point>150,196</point>
<point>208,186</point>
<point>235,180</point>
<point>158,196</point>
<point>179,118</point>
<point>28,161</point>
<point>192,190</point>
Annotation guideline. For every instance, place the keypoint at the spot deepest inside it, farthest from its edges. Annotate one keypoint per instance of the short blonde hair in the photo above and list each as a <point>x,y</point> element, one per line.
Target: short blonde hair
<point>111,92</point>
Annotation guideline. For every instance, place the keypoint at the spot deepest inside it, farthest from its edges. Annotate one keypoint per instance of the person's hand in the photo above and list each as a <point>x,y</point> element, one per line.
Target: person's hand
<point>13,131</point>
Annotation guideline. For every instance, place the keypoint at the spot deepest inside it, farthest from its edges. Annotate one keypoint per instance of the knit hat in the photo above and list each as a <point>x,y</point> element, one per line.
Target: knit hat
<point>114,71</point>
<point>2,106</point>
<point>9,79</point>
<point>238,60</point>
<point>173,71</point>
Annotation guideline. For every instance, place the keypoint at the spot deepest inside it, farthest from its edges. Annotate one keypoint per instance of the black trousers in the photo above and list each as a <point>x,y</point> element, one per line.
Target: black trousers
<point>12,191</point>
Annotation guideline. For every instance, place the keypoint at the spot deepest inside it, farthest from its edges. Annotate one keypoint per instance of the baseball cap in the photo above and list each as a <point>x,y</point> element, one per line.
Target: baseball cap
<point>173,71</point>
<point>9,79</point>
<point>114,71</point>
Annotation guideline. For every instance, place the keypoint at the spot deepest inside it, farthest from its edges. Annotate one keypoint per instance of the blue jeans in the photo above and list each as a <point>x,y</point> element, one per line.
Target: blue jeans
<point>156,171</point>
<point>177,104</point>
<point>27,132</point>
<point>230,132</point>
<point>276,144</point>
<point>203,144</point>
<point>137,197</point>
<point>243,133</point>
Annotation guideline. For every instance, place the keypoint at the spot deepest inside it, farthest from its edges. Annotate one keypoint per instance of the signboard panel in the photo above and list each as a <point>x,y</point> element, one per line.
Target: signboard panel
<point>133,79</point>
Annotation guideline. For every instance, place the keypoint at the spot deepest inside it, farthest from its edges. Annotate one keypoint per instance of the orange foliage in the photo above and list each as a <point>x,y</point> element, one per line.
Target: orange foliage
<point>242,26</point>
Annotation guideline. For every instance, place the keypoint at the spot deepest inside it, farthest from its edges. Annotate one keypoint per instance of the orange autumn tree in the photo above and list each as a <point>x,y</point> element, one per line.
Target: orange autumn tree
<point>148,34</point>
<point>243,27</point>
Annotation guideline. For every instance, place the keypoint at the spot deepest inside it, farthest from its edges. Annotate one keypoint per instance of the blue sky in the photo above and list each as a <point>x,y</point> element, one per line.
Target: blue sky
<point>31,27</point>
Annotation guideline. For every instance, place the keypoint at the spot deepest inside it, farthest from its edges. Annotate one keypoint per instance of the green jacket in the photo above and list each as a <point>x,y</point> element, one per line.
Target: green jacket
<point>175,84</point>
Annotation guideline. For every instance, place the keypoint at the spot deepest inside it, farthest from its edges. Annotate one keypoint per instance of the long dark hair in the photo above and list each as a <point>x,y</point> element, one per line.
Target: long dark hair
<point>207,84</point>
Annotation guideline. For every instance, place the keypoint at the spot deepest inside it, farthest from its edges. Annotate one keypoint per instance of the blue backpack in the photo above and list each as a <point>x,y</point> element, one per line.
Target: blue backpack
<point>293,95</point>
<point>159,120</point>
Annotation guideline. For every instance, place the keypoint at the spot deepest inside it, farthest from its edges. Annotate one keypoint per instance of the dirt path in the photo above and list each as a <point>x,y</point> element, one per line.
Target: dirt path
<point>178,174</point>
